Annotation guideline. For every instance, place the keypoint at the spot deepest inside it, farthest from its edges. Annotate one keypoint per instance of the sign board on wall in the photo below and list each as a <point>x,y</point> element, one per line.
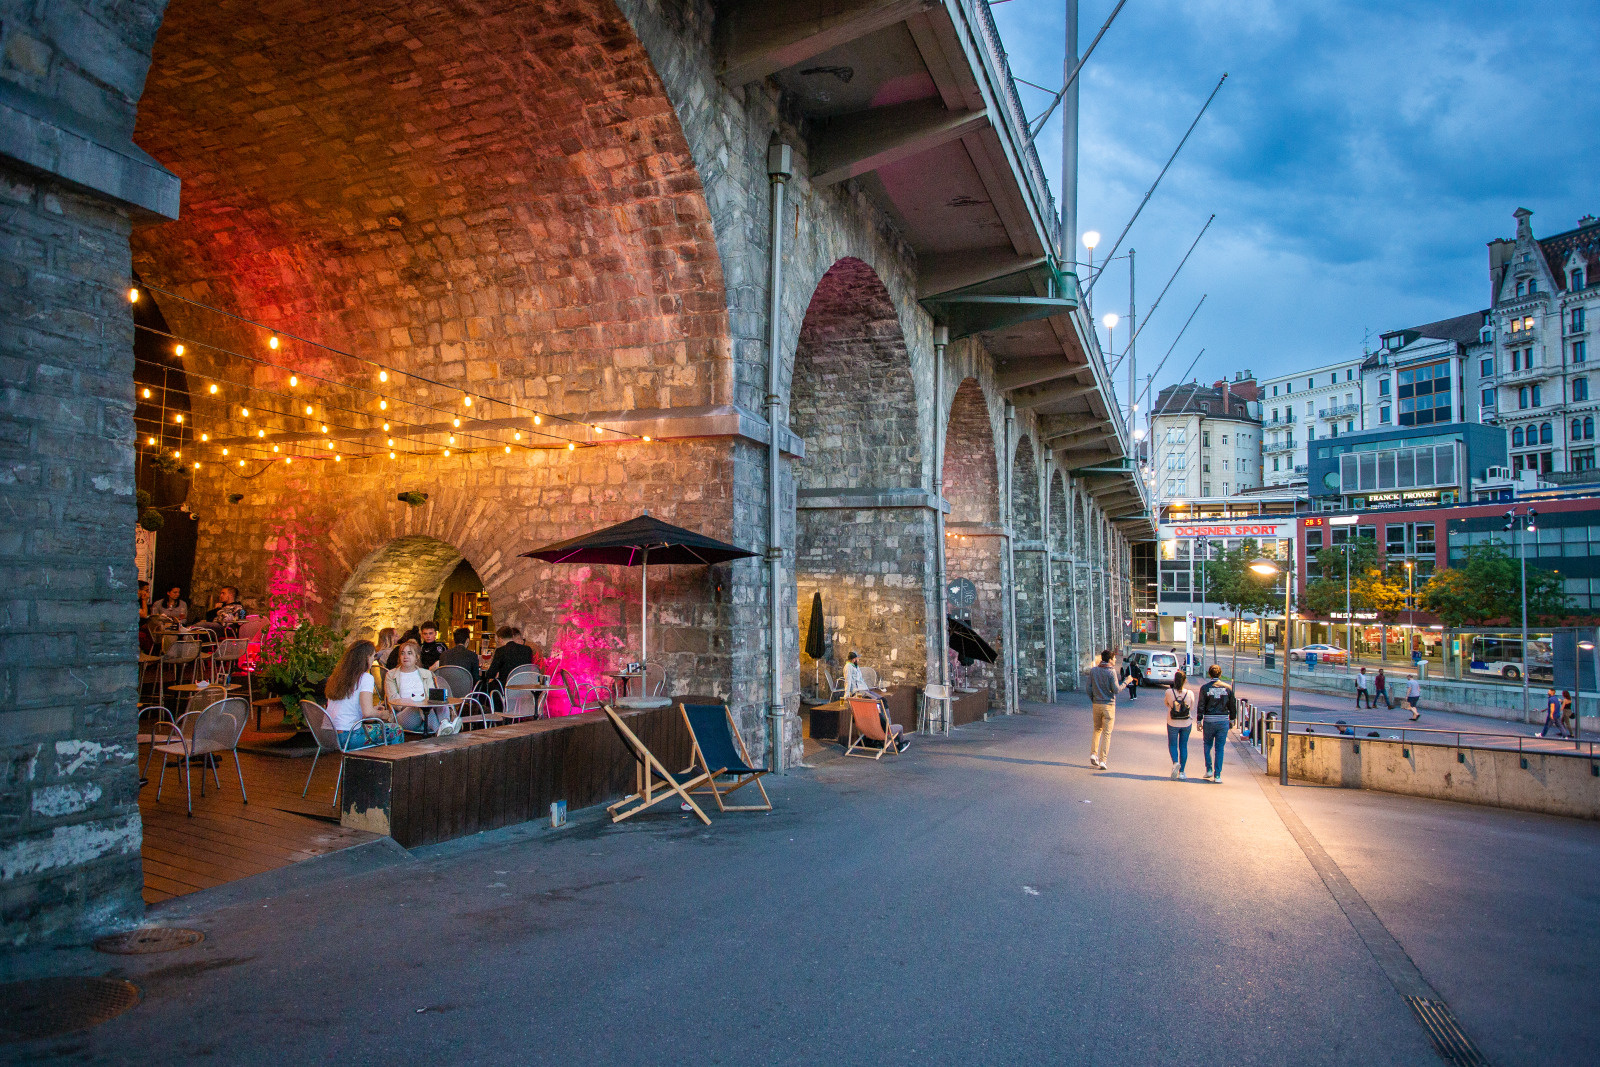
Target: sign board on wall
<point>1258,530</point>
<point>144,553</point>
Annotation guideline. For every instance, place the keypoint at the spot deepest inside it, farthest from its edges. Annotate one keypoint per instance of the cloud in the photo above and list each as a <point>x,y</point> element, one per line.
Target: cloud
<point>1358,159</point>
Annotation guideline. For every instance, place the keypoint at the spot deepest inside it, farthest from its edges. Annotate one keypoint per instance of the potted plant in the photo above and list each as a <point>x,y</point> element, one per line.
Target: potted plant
<point>296,663</point>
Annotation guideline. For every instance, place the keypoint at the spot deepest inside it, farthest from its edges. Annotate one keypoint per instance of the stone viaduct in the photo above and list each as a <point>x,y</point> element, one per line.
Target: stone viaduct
<point>618,213</point>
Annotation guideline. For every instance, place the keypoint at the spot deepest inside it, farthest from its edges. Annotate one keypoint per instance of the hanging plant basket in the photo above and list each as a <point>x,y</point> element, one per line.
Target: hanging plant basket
<point>151,520</point>
<point>412,497</point>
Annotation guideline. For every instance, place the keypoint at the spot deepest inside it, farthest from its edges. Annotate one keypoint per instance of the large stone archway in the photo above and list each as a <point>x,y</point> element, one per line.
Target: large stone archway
<point>864,529</point>
<point>1033,633</point>
<point>974,541</point>
<point>396,585</point>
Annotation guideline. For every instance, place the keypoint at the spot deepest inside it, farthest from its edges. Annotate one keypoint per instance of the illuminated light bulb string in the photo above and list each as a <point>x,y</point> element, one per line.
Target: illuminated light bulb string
<point>339,424</point>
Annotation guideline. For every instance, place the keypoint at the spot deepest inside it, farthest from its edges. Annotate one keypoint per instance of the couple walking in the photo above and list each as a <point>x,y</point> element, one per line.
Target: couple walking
<point>1214,705</point>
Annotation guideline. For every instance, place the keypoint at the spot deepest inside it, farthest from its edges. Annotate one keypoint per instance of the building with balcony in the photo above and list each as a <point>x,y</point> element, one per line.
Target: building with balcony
<point>1304,407</point>
<point>1537,346</point>
<point>1205,440</point>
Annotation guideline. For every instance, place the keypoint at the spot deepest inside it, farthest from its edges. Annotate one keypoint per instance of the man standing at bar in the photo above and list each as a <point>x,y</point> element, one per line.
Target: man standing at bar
<point>1103,689</point>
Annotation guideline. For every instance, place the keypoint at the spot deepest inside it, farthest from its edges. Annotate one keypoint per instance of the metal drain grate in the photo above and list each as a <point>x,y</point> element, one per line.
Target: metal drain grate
<point>1453,1044</point>
<point>49,1007</point>
<point>150,939</point>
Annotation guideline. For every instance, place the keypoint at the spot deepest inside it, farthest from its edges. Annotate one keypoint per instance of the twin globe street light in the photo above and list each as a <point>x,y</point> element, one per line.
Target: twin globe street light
<point>1268,568</point>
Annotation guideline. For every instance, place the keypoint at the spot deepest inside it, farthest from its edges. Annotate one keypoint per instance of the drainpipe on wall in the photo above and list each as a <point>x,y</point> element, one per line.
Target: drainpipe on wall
<point>1012,702</point>
<point>941,339</point>
<point>780,164</point>
<point>1049,596</point>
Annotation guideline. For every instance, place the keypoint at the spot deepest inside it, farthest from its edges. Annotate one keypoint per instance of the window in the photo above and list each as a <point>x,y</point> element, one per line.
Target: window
<point>1205,490</point>
<point>1383,413</point>
<point>1488,398</point>
<point>1533,286</point>
<point>1516,360</point>
<point>1516,438</point>
<point>1288,387</point>
<point>1311,408</point>
<point>1527,322</point>
<point>1224,438</point>
<point>1522,397</point>
<point>1311,433</point>
<point>1224,488</point>
<point>1546,434</point>
<point>1580,351</point>
<point>1580,389</point>
<point>1546,462</point>
<point>1205,438</point>
<point>1577,279</point>
<point>1486,368</point>
<point>1274,414</point>
<point>1349,374</point>
<point>1583,460</point>
<point>1311,383</point>
<point>1577,320</point>
<point>1527,359</point>
<point>1274,393</point>
<point>1588,427</point>
<point>1536,401</point>
<point>1394,539</point>
<point>1333,379</point>
<point>1383,387</point>
<point>1522,288</point>
<point>1274,462</point>
<point>1206,467</point>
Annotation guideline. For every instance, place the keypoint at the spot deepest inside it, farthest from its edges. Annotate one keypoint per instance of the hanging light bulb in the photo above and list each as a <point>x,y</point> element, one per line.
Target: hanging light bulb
<point>467,400</point>
<point>147,394</point>
<point>224,451</point>
<point>517,436</point>
<point>176,454</point>
<point>391,442</point>
<point>647,437</point>
<point>383,405</point>
<point>324,429</point>
<point>288,459</point>
<point>328,443</point>
<point>133,296</point>
<point>272,342</point>
<point>274,448</point>
<point>447,452</point>
<point>261,433</point>
<point>196,464</point>
<point>452,438</point>
<point>383,376</point>
<point>213,390</point>
<point>244,413</point>
<point>337,457</point>
<point>205,437</point>
<point>293,380</point>
<point>177,350</point>
<point>391,455</point>
<point>456,423</point>
<point>508,448</point>
<point>152,441</point>
<point>571,447</point>
<point>177,418</point>
<point>308,409</point>
<point>386,427</point>
<point>241,463</point>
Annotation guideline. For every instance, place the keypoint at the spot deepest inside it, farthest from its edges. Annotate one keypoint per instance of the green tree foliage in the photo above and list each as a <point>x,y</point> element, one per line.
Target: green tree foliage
<point>1231,583</point>
<point>1487,588</point>
<point>1380,590</point>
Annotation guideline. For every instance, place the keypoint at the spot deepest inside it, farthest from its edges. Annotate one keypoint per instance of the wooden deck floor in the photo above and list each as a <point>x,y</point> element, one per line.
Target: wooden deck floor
<point>228,839</point>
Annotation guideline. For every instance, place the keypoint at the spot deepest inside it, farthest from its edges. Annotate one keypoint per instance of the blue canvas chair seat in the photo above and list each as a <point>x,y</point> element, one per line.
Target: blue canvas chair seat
<point>717,743</point>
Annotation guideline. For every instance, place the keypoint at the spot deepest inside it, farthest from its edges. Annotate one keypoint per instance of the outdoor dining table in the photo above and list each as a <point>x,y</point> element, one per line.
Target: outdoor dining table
<point>538,689</point>
<point>643,700</point>
<point>424,705</point>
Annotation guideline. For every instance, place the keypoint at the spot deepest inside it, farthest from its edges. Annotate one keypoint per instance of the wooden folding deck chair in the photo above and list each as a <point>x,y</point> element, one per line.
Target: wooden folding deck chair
<point>717,743</point>
<point>869,721</point>
<point>653,783</point>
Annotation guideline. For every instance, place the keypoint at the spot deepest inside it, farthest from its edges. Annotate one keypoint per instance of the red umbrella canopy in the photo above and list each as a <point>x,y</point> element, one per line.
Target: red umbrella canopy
<point>624,545</point>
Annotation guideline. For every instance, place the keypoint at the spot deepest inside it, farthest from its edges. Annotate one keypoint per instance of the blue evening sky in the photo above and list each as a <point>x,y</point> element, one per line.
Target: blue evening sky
<point>1358,159</point>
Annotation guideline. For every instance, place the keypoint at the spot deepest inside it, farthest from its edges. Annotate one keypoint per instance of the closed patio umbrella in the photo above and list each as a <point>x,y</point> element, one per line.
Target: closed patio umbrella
<point>638,543</point>
<point>815,643</point>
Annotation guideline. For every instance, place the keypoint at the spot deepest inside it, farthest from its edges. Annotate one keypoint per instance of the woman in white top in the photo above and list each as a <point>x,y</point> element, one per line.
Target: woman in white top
<point>349,692</point>
<point>1180,720</point>
<point>407,689</point>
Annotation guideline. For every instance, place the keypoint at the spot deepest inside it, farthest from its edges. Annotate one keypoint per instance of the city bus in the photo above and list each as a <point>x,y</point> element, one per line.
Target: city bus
<point>1501,655</point>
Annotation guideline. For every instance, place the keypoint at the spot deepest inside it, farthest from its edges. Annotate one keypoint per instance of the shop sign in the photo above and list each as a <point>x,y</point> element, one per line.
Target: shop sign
<point>1230,529</point>
<point>1359,616</point>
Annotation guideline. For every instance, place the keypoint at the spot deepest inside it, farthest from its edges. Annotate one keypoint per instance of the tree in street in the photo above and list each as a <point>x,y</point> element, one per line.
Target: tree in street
<point>1231,583</point>
<point>1487,588</point>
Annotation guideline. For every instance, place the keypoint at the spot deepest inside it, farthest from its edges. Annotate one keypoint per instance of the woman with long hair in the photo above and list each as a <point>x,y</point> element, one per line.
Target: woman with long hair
<point>349,690</point>
<point>407,687</point>
<point>1180,721</point>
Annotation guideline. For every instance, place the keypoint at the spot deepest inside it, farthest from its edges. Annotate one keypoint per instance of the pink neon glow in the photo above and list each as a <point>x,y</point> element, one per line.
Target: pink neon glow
<point>587,640</point>
<point>291,582</point>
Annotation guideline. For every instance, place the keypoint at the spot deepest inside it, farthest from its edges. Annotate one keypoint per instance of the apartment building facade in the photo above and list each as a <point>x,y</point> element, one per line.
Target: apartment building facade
<point>1205,440</point>
<point>1300,408</point>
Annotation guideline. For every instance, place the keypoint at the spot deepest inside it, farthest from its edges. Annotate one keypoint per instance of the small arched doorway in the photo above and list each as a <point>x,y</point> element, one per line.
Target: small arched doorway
<point>973,534</point>
<point>411,580</point>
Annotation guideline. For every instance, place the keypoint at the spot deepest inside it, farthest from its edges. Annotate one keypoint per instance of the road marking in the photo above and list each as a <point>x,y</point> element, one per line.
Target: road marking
<point>1431,1009</point>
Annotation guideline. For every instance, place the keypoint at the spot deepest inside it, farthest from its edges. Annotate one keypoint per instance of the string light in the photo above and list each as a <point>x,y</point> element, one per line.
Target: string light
<point>457,423</point>
<point>177,350</point>
<point>467,400</point>
<point>241,463</point>
<point>293,381</point>
<point>386,427</point>
<point>328,443</point>
<point>308,409</point>
<point>176,454</point>
<point>274,448</point>
<point>508,448</point>
<point>196,464</point>
<point>391,442</point>
<point>571,447</point>
<point>244,413</point>
<point>337,457</point>
<point>536,420</point>
<point>383,376</point>
<point>288,459</point>
<point>133,296</point>
<point>647,437</point>
<point>452,438</point>
<point>213,390</point>
<point>151,440</point>
<point>272,342</point>
<point>383,405</point>
<point>391,455</point>
<point>447,452</point>
<point>205,437</point>
<point>324,429</point>
<point>517,435</point>
<point>225,452</point>
<point>261,433</point>
<point>147,394</point>
<point>177,418</point>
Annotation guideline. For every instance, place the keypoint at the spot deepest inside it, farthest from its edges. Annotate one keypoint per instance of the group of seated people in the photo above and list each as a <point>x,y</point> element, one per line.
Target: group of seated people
<point>171,613</point>
<point>407,677</point>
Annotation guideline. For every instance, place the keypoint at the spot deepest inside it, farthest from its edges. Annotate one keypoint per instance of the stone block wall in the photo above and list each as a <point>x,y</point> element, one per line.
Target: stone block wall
<point>69,817</point>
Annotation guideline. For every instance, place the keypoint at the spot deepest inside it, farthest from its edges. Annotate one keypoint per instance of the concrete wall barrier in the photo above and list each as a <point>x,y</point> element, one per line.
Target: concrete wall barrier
<point>1551,784</point>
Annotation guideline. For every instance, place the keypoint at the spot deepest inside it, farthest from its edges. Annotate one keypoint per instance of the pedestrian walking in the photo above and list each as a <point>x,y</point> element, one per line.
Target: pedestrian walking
<point>1553,710</point>
<point>1133,675</point>
<point>1569,713</point>
<point>1380,688</point>
<point>1414,696</point>
<point>1218,709</point>
<point>1103,690</point>
<point>1180,721</point>
<point>1361,688</point>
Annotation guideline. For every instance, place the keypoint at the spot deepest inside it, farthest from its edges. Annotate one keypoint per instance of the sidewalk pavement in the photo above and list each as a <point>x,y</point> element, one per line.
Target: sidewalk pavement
<point>986,898</point>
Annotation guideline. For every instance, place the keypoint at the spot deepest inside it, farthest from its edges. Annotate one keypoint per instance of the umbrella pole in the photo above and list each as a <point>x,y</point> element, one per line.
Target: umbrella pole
<point>644,614</point>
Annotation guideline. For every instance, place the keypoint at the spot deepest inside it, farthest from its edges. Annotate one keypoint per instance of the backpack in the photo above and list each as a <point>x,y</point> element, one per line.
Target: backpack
<point>1180,706</point>
<point>1214,699</point>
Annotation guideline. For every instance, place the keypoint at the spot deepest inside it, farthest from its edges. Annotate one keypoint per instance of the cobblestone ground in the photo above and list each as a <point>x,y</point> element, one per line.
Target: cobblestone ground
<point>986,898</point>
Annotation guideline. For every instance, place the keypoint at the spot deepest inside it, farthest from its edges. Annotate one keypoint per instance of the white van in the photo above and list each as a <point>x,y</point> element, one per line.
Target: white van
<point>1155,666</point>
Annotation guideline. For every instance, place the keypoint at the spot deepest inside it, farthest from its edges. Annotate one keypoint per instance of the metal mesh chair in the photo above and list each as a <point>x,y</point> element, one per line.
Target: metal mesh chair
<point>182,655</point>
<point>327,739</point>
<point>456,679</point>
<point>207,732</point>
<point>520,705</point>
<point>654,682</point>
<point>477,709</point>
<point>579,696</point>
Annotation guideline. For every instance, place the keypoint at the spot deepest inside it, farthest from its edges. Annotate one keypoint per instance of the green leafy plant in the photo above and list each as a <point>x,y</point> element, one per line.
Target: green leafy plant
<point>170,465</point>
<point>295,663</point>
<point>143,499</point>
<point>1487,589</point>
<point>412,497</point>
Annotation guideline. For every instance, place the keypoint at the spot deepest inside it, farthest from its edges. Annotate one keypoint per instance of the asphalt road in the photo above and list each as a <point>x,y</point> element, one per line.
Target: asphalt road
<point>984,899</point>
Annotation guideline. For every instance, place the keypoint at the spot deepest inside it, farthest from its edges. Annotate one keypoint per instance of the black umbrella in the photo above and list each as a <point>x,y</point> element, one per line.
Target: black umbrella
<point>815,645</point>
<point>967,644</point>
<point>638,543</point>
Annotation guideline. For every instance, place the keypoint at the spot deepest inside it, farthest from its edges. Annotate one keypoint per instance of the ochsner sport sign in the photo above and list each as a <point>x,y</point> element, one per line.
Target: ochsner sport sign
<point>1231,529</point>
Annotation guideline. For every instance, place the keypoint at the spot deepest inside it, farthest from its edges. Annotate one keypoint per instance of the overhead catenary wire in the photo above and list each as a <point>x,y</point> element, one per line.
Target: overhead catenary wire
<point>1151,377</point>
<point>1146,321</point>
<point>1185,374</point>
<point>1151,191</point>
<point>371,362</point>
<point>1038,123</point>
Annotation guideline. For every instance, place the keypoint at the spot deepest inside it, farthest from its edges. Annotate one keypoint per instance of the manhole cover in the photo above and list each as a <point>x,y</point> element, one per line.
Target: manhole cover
<point>150,939</point>
<point>48,1007</point>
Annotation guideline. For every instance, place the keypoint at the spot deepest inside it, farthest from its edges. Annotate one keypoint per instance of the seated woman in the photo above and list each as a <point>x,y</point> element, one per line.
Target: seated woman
<point>349,692</point>
<point>407,687</point>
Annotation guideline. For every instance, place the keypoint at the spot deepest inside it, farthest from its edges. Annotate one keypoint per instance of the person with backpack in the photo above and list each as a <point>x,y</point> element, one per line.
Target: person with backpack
<point>1180,721</point>
<point>1218,709</point>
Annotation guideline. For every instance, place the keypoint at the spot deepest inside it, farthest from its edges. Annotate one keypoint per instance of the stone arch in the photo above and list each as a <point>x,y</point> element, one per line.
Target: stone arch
<point>396,585</point>
<point>1061,571</point>
<point>496,193</point>
<point>973,545</point>
<point>863,534</point>
<point>1033,634</point>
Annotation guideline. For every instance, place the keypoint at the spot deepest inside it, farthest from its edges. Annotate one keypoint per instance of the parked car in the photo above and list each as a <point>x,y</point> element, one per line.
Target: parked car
<point>1157,667</point>
<point>1324,653</point>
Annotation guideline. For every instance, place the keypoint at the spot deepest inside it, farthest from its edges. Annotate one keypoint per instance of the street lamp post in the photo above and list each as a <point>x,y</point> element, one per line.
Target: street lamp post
<point>1593,648</point>
<point>1411,589</point>
<point>1522,524</point>
<point>1090,240</point>
<point>1267,567</point>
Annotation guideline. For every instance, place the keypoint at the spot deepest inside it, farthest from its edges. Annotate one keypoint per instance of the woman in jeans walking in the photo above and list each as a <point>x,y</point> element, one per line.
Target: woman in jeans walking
<point>1218,709</point>
<point>1180,720</point>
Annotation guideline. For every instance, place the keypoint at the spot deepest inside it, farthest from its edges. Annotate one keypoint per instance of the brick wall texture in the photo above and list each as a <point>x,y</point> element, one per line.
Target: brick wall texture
<point>553,205</point>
